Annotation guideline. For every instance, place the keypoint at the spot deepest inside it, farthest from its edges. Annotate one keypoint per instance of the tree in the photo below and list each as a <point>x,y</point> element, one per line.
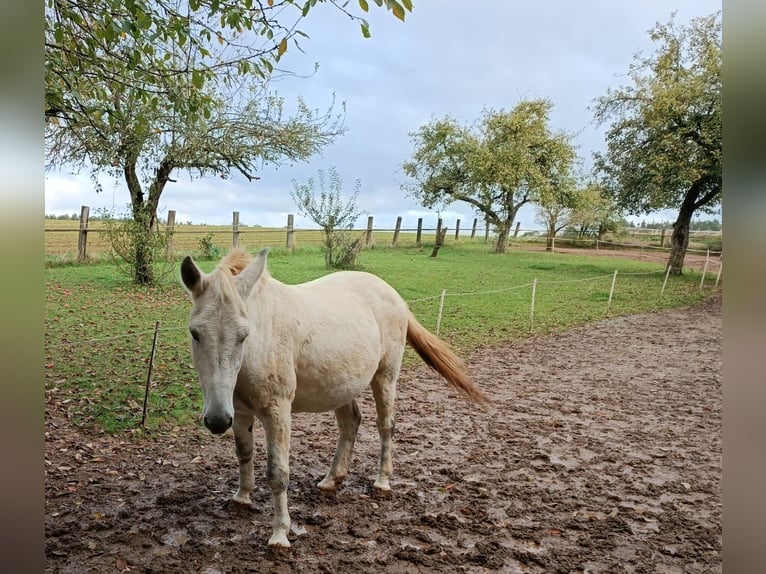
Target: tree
<point>664,148</point>
<point>593,212</point>
<point>333,215</point>
<point>497,167</point>
<point>127,43</point>
<point>146,143</point>
<point>556,201</point>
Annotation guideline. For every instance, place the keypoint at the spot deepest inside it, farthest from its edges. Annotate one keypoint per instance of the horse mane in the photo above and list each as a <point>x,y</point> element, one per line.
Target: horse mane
<point>232,264</point>
<point>235,261</point>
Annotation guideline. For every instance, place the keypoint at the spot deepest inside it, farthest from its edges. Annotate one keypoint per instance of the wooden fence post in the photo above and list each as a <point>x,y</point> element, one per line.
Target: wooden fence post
<point>396,230</point>
<point>611,292</point>
<point>149,374</point>
<point>516,232</point>
<point>82,240</point>
<point>532,305</point>
<point>420,232</point>
<point>473,229</point>
<point>457,229</point>
<point>290,232</point>
<point>235,229</point>
<point>170,229</point>
<point>368,237</point>
<point>441,308</point>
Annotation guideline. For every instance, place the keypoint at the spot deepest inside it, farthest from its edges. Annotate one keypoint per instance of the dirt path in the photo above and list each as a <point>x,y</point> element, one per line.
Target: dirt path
<point>603,455</point>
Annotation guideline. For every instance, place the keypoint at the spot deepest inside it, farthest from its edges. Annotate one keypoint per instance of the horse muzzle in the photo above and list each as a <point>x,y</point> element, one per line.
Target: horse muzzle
<point>217,424</point>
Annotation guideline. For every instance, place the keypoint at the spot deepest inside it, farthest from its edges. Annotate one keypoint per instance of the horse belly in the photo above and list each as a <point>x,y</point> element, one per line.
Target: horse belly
<point>318,397</point>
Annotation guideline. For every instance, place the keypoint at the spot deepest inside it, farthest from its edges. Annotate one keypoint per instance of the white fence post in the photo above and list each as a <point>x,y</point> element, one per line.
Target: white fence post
<point>441,307</point>
<point>532,307</point>
<point>611,292</point>
<point>665,282</point>
<point>704,269</point>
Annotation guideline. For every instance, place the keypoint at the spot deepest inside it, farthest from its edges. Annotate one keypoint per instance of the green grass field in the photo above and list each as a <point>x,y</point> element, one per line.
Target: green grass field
<point>99,327</point>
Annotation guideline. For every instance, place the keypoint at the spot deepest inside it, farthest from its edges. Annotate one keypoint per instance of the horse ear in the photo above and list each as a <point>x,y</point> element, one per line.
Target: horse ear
<point>249,276</point>
<point>191,275</point>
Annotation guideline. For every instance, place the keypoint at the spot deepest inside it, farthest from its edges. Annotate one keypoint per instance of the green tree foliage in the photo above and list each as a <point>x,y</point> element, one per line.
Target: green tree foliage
<point>509,159</point>
<point>93,47</point>
<point>334,215</point>
<point>594,211</point>
<point>664,147</point>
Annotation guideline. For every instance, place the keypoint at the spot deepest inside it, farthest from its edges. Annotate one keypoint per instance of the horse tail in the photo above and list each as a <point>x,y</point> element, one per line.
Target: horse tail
<point>437,355</point>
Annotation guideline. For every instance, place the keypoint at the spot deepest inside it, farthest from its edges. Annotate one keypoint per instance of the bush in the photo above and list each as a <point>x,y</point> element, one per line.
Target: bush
<point>207,249</point>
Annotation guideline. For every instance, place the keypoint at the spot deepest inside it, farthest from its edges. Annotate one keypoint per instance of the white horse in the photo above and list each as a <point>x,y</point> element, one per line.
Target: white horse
<point>263,349</point>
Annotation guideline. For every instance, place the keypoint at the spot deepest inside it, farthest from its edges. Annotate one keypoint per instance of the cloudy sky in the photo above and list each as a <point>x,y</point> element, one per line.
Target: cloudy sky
<point>450,57</point>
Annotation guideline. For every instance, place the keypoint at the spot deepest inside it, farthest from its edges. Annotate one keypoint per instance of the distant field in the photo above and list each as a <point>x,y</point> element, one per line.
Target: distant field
<point>61,238</point>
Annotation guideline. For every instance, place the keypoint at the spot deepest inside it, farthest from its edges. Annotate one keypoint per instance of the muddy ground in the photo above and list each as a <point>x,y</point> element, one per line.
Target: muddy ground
<point>603,455</point>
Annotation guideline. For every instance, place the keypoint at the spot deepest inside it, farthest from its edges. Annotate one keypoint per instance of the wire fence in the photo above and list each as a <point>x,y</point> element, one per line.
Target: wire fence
<point>89,238</point>
<point>436,310</point>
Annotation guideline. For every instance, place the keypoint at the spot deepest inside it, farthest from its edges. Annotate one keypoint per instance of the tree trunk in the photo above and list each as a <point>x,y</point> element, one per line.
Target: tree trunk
<point>679,241</point>
<point>440,235</point>
<point>145,217</point>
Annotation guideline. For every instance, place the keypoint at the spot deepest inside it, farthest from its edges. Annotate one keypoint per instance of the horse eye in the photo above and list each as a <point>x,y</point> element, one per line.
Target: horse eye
<point>194,334</point>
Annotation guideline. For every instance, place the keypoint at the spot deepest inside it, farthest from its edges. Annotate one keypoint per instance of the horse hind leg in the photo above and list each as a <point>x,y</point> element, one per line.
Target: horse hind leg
<point>384,391</point>
<point>348,418</point>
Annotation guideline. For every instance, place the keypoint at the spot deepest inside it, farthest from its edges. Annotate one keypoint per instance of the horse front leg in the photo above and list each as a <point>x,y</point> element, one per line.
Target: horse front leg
<point>243,442</point>
<point>276,423</point>
<point>348,418</point>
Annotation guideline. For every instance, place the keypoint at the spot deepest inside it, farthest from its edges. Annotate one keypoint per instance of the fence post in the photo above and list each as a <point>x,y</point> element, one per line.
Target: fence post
<point>611,292</point>
<point>704,269</point>
<point>720,268</point>
<point>290,233</point>
<point>149,376</point>
<point>662,238</point>
<point>420,232</point>
<point>486,230</point>
<point>441,307</point>
<point>396,231</point>
<point>171,229</point>
<point>82,239</point>
<point>532,307</point>
<point>235,229</point>
<point>473,229</point>
<point>665,282</point>
<point>516,231</point>
<point>457,229</point>
<point>368,237</point>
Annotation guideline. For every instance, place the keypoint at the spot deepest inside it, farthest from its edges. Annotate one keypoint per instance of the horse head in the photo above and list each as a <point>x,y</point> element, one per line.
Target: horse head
<point>219,326</point>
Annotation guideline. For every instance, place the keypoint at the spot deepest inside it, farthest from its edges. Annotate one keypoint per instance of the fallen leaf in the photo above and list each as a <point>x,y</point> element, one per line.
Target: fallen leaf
<point>121,564</point>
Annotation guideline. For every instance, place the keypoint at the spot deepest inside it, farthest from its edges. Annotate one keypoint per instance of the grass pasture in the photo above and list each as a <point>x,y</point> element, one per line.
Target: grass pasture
<point>99,327</point>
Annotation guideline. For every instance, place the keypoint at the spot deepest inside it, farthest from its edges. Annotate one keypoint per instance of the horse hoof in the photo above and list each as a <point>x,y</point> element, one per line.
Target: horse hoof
<point>279,541</point>
<point>327,486</point>
<point>241,499</point>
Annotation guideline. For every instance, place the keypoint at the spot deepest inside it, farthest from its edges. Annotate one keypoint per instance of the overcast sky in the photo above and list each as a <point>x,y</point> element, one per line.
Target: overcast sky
<point>450,57</point>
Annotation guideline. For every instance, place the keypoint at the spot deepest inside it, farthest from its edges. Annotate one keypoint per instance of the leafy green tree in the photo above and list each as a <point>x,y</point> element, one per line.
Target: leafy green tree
<point>556,200</point>
<point>334,215</point>
<point>593,211</point>
<point>664,147</point>
<point>506,161</point>
<point>146,143</point>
